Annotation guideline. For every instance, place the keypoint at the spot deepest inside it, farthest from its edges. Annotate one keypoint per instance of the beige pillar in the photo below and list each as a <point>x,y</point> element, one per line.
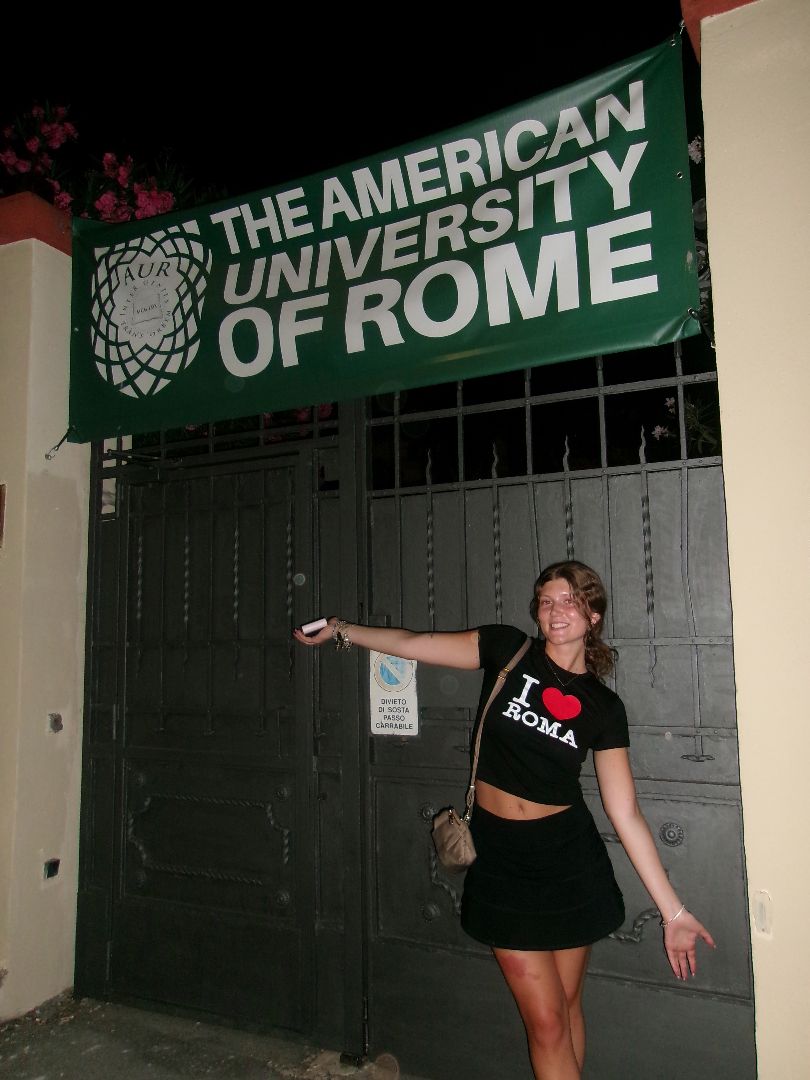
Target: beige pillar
<point>755,69</point>
<point>43,562</point>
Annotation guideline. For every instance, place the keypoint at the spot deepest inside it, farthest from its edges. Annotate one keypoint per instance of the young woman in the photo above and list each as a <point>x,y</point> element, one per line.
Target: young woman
<point>541,890</point>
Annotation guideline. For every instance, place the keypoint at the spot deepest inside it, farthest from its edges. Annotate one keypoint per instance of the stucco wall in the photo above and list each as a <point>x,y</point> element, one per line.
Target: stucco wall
<point>42,602</point>
<point>756,102</point>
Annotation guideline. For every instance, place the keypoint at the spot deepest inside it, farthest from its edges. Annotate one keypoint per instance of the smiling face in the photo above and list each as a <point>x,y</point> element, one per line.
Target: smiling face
<point>559,615</point>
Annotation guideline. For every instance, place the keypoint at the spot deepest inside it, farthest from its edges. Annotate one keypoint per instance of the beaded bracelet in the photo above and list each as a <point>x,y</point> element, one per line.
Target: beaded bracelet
<point>665,922</point>
<point>340,635</point>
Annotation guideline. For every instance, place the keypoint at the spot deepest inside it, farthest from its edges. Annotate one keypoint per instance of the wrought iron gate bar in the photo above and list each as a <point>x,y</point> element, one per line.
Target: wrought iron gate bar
<point>138,466</point>
<point>186,571</point>
<point>496,539</point>
<point>211,608</point>
<point>128,456</point>
<point>646,536</point>
<point>611,390</point>
<point>235,577</point>
<point>671,465</point>
<point>569,505</point>
<point>429,543</point>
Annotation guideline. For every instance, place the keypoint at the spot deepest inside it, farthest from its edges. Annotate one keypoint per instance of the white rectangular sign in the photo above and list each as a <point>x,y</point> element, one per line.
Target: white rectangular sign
<point>392,691</point>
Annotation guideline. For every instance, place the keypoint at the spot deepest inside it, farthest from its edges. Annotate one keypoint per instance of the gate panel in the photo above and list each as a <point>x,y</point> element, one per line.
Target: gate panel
<point>457,555</point>
<point>211,862</point>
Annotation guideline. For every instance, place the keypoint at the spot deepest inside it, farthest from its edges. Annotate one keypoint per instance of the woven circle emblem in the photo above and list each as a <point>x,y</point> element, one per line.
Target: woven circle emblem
<point>671,833</point>
<point>146,308</point>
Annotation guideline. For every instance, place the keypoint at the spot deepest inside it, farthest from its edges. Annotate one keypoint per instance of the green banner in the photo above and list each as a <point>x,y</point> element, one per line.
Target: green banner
<point>557,229</point>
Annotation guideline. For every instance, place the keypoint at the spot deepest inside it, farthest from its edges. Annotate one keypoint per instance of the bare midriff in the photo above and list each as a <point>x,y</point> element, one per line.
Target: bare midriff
<point>505,805</point>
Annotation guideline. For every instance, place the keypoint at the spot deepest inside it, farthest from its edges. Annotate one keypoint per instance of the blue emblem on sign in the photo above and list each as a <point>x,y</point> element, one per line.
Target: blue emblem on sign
<point>393,670</point>
<point>392,673</point>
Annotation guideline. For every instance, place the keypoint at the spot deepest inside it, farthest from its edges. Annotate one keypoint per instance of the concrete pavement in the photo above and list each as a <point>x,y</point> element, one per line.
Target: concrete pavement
<point>70,1039</point>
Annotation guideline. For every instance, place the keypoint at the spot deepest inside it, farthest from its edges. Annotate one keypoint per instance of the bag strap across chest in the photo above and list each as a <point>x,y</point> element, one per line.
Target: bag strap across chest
<point>499,681</point>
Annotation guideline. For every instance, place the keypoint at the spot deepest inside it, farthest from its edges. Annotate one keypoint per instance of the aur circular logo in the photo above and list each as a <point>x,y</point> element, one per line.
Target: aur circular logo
<point>392,673</point>
<point>147,307</point>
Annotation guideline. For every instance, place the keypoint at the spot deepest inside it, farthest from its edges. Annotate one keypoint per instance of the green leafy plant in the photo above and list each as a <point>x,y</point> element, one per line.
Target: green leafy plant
<point>701,423</point>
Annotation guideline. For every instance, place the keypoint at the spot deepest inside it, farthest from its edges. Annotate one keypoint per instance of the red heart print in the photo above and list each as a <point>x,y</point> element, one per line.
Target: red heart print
<point>561,706</point>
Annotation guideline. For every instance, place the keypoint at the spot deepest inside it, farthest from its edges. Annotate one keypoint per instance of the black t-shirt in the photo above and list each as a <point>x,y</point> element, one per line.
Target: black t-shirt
<point>537,732</point>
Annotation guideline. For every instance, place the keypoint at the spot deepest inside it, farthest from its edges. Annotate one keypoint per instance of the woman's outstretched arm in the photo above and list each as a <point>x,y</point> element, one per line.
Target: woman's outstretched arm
<point>618,792</point>
<point>448,649</point>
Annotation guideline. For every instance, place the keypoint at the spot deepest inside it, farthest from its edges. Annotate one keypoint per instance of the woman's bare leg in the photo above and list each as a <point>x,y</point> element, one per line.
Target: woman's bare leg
<point>547,987</point>
<point>572,965</point>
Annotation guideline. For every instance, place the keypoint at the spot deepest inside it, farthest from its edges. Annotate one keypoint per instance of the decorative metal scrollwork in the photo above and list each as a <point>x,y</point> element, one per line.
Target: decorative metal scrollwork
<point>427,814</point>
<point>634,936</point>
<point>698,755</point>
<point>569,503</point>
<point>454,895</point>
<point>496,537</point>
<point>429,559</point>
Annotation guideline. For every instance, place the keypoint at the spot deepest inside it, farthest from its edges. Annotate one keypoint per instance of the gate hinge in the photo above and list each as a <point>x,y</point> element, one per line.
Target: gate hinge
<point>131,456</point>
<point>144,461</point>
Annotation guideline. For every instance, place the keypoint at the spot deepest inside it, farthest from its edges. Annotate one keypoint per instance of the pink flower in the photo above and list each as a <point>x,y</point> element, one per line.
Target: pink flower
<point>111,209</point>
<point>149,201</point>
<point>32,144</point>
<point>63,200</point>
<point>9,159</point>
<point>301,415</point>
<point>57,134</point>
<point>124,172</point>
<point>23,166</point>
<point>660,432</point>
<point>110,164</point>
<point>324,412</point>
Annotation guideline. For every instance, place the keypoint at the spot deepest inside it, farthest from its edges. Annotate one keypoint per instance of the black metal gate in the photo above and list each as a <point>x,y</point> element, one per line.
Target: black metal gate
<point>201,807</point>
<point>236,807</point>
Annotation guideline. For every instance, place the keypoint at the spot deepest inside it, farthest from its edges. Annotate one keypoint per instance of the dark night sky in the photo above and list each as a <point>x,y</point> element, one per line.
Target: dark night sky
<point>248,106</point>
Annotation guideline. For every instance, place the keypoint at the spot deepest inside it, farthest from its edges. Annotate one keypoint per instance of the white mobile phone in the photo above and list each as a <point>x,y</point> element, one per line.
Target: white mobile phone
<point>313,627</point>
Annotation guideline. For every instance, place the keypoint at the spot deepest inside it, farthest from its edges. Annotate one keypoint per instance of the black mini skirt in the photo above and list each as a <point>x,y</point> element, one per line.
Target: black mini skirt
<point>540,884</point>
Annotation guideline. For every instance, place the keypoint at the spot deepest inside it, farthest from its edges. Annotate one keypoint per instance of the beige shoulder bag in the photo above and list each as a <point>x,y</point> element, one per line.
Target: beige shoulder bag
<point>451,833</point>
